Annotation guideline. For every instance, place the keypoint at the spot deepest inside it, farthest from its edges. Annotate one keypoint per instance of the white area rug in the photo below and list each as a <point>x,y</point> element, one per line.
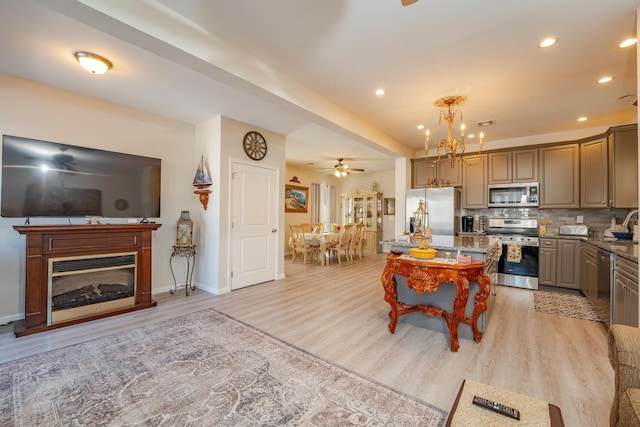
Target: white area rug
<point>576,306</point>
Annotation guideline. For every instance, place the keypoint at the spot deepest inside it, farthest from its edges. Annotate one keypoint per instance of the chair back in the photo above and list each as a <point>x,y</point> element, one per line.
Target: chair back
<point>358,232</point>
<point>297,235</point>
<point>318,227</point>
<point>306,227</point>
<point>346,235</point>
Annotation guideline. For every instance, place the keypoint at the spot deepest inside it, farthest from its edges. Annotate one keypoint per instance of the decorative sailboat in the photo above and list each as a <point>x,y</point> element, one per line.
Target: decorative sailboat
<point>202,181</point>
<point>202,178</point>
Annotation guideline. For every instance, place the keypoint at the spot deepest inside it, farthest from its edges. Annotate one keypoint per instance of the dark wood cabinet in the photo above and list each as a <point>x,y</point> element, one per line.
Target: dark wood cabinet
<point>45,243</point>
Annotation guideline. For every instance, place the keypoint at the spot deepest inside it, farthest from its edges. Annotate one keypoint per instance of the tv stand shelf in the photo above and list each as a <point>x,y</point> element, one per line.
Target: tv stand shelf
<point>45,242</point>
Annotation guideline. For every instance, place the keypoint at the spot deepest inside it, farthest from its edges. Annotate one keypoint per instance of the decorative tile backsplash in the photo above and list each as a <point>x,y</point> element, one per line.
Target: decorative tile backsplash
<point>597,220</point>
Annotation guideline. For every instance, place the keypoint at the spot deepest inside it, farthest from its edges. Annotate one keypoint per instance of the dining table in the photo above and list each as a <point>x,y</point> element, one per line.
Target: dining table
<point>323,241</point>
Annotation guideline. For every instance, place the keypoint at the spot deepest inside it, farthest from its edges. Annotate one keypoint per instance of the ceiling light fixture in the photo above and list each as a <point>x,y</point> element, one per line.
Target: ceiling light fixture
<point>548,42</point>
<point>628,42</point>
<point>95,64</point>
<point>420,126</point>
<point>450,145</point>
<point>582,119</point>
<point>605,79</point>
<point>380,92</point>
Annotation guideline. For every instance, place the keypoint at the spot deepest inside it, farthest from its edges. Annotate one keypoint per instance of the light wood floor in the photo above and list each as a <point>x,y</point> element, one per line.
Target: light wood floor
<point>337,312</point>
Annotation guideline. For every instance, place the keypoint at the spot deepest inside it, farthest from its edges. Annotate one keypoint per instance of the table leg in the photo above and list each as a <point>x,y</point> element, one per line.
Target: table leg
<point>459,304</point>
<point>480,304</point>
<point>175,284</point>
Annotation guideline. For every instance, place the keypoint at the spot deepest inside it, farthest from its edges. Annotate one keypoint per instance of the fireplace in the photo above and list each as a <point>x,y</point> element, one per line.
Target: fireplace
<point>116,256</point>
<point>82,286</point>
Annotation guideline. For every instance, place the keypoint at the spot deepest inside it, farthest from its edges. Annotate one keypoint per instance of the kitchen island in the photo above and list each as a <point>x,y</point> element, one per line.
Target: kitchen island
<point>480,249</point>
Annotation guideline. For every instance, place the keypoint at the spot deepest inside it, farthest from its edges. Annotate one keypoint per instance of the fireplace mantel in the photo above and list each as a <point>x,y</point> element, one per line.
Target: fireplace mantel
<point>55,241</point>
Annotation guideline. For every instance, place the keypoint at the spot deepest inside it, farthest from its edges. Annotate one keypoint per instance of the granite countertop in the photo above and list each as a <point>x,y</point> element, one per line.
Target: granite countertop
<point>479,244</point>
<point>623,248</point>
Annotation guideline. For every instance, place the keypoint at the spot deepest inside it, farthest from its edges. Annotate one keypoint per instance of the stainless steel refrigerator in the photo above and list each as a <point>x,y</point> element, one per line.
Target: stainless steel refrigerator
<point>443,204</point>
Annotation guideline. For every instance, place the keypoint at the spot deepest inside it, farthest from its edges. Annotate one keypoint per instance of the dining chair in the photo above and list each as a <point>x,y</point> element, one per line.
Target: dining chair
<point>357,240</point>
<point>318,227</point>
<point>300,244</point>
<point>343,244</point>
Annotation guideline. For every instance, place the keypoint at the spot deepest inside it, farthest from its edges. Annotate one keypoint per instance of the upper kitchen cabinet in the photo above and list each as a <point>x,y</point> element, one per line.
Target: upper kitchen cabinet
<point>422,173</point>
<point>513,166</point>
<point>560,176</point>
<point>474,182</point>
<point>622,148</point>
<point>594,174</point>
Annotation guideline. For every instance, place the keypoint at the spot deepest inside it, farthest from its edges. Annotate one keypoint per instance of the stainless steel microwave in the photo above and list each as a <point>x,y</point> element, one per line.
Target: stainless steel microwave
<point>519,194</point>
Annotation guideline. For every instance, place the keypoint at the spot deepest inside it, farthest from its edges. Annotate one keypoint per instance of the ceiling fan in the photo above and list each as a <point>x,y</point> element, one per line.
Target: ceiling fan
<point>341,169</point>
<point>408,2</point>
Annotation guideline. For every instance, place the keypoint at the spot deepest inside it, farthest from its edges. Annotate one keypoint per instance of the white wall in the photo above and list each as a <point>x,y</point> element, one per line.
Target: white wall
<point>220,140</point>
<point>36,111</point>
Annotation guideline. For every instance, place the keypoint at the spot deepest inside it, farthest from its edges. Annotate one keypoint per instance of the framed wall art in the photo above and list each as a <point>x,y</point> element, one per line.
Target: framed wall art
<point>295,198</point>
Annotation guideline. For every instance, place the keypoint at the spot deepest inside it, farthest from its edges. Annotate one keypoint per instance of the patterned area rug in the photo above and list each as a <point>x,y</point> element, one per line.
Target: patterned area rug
<point>202,369</point>
<point>576,306</point>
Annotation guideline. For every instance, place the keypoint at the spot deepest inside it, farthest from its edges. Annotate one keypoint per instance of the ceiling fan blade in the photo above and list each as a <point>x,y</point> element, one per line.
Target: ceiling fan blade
<point>355,170</point>
<point>408,2</point>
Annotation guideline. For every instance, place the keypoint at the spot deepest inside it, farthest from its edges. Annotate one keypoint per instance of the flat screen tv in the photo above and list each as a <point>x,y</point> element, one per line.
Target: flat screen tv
<point>49,179</point>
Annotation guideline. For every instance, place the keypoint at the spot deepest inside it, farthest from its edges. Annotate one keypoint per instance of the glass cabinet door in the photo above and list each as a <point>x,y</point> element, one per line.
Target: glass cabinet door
<point>370,213</point>
<point>358,204</point>
<point>348,210</point>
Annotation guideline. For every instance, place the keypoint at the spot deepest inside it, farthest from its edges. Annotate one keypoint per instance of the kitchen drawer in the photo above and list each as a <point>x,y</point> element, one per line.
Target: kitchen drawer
<point>549,243</point>
<point>589,250</point>
<point>626,267</point>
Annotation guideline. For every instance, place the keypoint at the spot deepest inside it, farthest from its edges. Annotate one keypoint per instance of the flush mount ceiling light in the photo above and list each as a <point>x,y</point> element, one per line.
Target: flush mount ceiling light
<point>95,64</point>
<point>582,119</point>
<point>628,42</point>
<point>605,79</point>
<point>548,42</point>
<point>380,92</point>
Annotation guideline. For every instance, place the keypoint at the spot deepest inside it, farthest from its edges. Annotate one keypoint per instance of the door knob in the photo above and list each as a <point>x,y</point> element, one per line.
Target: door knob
<point>273,230</point>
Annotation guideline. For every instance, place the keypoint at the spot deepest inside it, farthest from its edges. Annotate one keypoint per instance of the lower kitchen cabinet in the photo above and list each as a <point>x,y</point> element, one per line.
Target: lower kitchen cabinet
<point>625,292</point>
<point>589,271</point>
<point>559,263</point>
<point>547,264</point>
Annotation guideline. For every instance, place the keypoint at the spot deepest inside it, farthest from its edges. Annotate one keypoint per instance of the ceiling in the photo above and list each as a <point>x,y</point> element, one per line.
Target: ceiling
<point>308,69</point>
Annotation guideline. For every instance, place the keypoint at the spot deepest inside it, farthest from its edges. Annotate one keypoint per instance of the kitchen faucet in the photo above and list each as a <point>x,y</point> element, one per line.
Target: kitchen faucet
<point>626,221</point>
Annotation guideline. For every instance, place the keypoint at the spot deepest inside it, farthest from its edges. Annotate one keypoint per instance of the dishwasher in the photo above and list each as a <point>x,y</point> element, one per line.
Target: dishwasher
<point>602,301</point>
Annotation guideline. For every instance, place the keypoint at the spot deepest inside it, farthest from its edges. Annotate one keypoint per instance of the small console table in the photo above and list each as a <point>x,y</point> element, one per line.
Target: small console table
<point>189,253</point>
<point>425,276</point>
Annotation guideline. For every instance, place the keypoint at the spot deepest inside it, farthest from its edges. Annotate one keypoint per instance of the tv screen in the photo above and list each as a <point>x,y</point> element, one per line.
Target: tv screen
<point>49,179</point>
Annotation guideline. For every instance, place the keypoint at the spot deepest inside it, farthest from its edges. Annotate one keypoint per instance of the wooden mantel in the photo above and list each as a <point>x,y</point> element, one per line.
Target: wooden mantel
<point>54,241</point>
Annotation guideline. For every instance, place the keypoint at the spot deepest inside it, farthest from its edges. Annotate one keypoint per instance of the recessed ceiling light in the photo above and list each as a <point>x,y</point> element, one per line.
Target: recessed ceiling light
<point>471,135</point>
<point>582,119</point>
<point>420,126</point>
<point>548,42</point>
<point>605,79</point>
<point>628,42</point>
<point>95,64</point>
<point>380,92</point>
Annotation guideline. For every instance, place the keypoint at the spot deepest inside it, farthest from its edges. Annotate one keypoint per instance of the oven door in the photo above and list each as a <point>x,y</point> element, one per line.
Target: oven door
<point>518,268</point>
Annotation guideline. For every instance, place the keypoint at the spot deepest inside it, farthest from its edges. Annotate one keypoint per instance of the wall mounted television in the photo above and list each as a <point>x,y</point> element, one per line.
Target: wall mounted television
<point>50,179</point>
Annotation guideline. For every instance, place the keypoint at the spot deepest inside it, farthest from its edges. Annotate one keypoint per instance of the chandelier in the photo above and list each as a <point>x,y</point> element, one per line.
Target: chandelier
<point>452,147</point>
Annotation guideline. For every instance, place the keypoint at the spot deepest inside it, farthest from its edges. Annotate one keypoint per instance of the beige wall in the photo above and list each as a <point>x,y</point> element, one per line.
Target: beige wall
<point>36,111</point>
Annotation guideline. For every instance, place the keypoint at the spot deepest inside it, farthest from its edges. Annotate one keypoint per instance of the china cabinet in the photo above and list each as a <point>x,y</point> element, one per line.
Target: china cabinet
<point>364,207</point>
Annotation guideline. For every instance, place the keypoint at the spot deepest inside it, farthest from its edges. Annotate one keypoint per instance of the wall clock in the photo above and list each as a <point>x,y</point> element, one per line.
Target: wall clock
<point>255,146</point>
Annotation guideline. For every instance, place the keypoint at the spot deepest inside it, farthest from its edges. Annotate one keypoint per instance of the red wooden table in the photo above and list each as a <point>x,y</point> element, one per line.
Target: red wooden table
<point>426,276</point>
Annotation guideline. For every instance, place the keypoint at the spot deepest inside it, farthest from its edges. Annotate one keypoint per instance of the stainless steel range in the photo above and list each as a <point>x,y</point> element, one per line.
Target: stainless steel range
<point>518,264</point>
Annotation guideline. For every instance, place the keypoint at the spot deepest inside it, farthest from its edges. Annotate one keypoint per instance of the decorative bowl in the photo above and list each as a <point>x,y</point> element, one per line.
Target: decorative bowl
<point>622,236</point>
<point>422,253</point>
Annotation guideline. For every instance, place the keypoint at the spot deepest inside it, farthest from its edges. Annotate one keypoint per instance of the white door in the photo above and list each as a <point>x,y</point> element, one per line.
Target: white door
<point>254,198</point>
